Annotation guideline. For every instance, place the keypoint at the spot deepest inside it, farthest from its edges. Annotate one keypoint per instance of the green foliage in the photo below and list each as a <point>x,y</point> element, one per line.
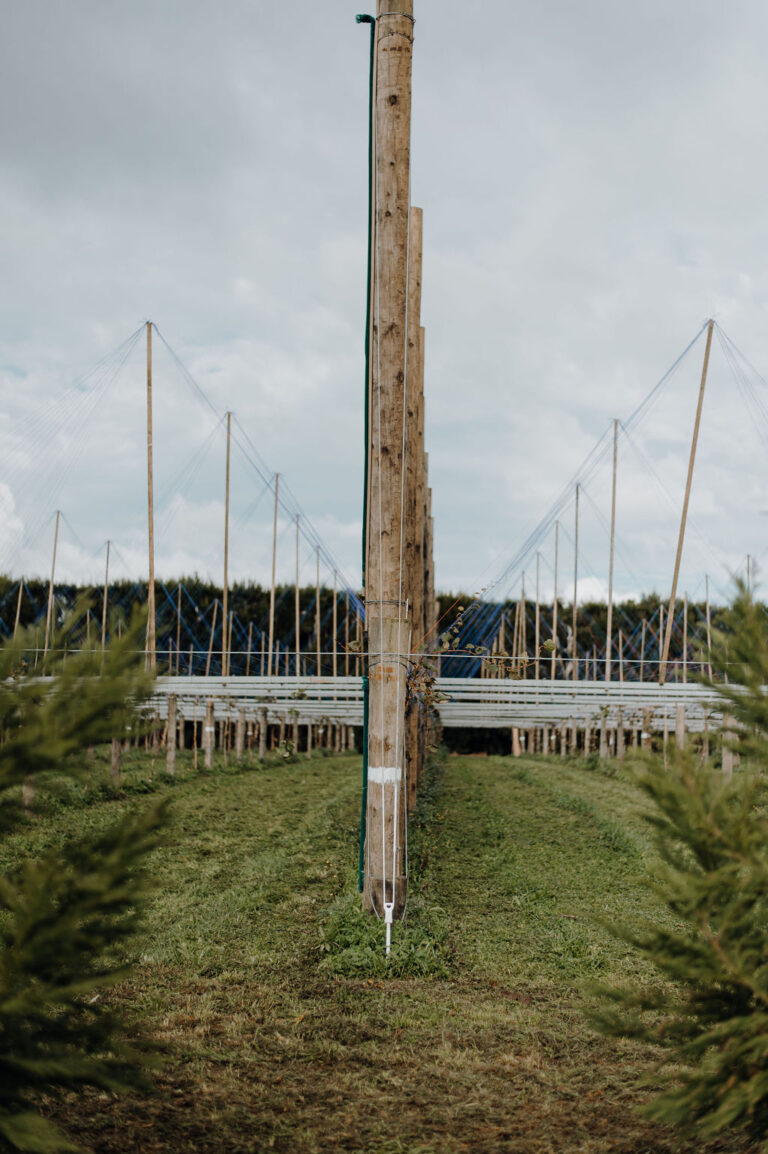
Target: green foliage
<point>353,942</point>
<point>83,699</point>
<point>710,1013</point>
<point>66,917</point>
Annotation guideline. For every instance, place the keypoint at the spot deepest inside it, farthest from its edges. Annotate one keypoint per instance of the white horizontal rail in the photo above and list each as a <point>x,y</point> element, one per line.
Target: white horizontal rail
<point>463,702</point>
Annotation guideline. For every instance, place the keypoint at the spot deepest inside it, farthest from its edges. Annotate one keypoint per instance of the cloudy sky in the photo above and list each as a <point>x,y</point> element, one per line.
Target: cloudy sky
<point>593,179</point>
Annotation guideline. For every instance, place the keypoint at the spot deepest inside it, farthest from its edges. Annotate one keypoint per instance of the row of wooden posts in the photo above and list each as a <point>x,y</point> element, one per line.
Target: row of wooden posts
<point>612,738</point>
<point>589,666</point>
<point>239,734</point>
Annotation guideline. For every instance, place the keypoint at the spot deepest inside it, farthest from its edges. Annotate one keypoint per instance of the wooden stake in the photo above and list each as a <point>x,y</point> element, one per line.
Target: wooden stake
<point>388,632</point>
<point>151,623</point>
<point>685,638</point>
<point>574,623</point>
<point>49,613</point>
<point>609,627</point>
<point>642,649</point>
<point>225,640</point>
<point>681,538</point>
<point>272,587</point>
<point>248,655</point>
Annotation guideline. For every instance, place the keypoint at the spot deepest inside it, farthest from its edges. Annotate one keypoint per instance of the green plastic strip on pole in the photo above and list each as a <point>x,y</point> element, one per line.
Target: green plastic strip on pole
<point>368,303</point>
<point>363,808</point>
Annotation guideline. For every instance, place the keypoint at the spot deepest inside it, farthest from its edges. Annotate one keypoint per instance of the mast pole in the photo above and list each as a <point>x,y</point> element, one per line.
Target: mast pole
<point>317,609</point>
<point>151,622</point>
<point>537,619</point>
<point>553,668</point>
<point>609,626</point>
<point>18,608</point>
<point>104,603</point>
<point>272,587</point>
<point>49,613</point>
<point>225,640</point>
<point>684,518</point>
<point>296,605</point>
<point>574,622</point>
<point>385,572</point>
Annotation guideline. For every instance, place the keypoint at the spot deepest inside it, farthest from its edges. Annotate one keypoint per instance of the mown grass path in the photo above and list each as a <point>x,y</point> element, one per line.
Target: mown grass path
<point>267,1051</point>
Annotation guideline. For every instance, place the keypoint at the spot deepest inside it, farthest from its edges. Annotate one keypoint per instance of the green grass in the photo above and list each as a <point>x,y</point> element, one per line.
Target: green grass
<point>285,1029</point>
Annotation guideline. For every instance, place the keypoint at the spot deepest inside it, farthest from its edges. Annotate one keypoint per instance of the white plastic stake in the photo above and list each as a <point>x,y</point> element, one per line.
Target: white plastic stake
<point>389,908</point>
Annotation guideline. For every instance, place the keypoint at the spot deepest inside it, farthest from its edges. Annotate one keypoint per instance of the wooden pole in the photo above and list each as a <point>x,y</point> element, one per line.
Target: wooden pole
<point>18,607</point>
<point>388,633</point>
<point>178,629</point>
<point>554,605</point>
<point>537,620</point>
<point>272,587</point>
<point>49,613</point>
<point>523,631</point>
<point>661,631</point>
<point>574,621</point>
<point>296,604</point>
<point>346,633</point>
<point>642,649</point>
<point>621,656</point>
<point>151,623</point>
<point>248,654</point>
<point>609,626</point>
<point>685,638</point>
<point>317,610</point>
<point>210,643</point>
<point>335,625</point>
<point>709,633</point>
<point>225,641</point>
<point>681,538</point>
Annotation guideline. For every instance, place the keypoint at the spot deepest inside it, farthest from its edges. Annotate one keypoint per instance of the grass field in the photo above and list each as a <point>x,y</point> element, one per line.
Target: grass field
<point>282,1031</point>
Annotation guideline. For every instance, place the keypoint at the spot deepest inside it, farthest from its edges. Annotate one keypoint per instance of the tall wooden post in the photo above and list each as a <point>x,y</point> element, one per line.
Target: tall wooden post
<point>272,587</point>
<point>18,606</point>
<point>574,623</point>
<point>642,650</point>
<point>413,493</point>
<point>104,602</point>
<point>537,620</point>
<point>49,613</point>
<point>210,643</point>
<point>296,605</point>
<point>553,669</point>
<point>388,633</point>
<point>178,629</point>
<point>685,638</point>
<point>317,610</point>
<point>248,652</point>
<point>225,643</point>
<point>609,626</point>
<point>684,518</point>
<point>151,623</point>
<point>709,633</point>
<point>335,623</point>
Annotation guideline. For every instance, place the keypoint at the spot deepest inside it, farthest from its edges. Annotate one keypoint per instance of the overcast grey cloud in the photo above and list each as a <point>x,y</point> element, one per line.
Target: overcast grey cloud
<point>593,180</point>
